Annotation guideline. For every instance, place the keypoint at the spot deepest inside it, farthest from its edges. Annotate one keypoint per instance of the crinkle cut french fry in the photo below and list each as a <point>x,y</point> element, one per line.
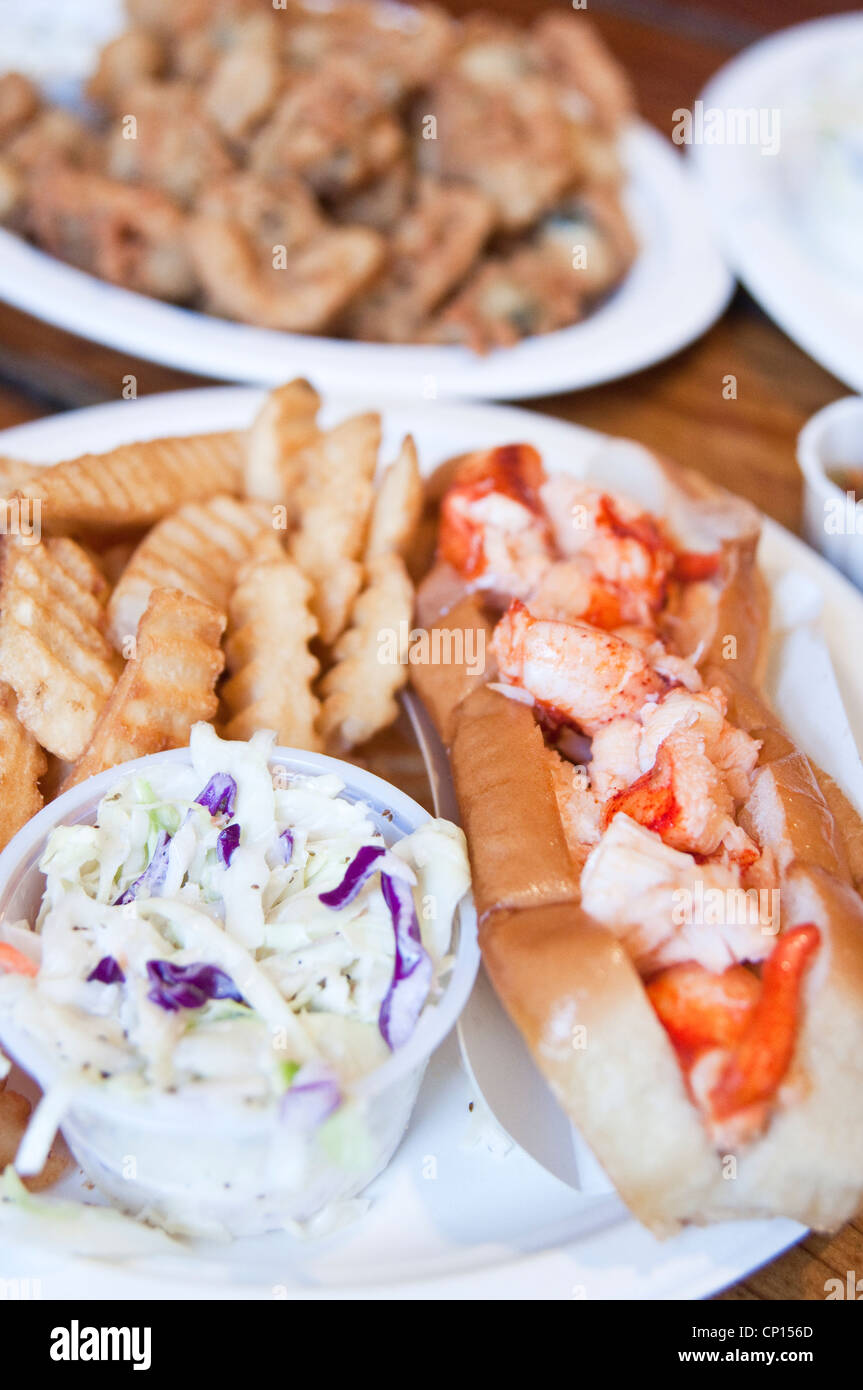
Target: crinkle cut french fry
<point>135,484</point>
<point>167,685</point>
<point>197,550</point>
<point>22,763</point>
<point>397,506</point>
<point>333,503</point>
<point>15,474</point>
<point>53,651</point>
<point>359,690</point>
<point>271,669</point>
<point>283,426</point>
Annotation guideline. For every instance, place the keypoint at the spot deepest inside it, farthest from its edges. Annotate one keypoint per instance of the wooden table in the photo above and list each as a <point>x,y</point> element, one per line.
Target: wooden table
<point>670,48</point>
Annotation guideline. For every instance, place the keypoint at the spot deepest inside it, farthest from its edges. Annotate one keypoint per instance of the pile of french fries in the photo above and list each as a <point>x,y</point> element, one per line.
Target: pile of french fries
<point>244,578</point>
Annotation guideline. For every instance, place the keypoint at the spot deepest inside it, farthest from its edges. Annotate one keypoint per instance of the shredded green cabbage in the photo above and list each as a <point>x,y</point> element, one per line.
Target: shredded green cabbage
<point>311,977</point>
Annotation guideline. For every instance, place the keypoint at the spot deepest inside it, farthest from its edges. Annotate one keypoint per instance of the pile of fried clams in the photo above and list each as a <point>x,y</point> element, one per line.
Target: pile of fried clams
<point>363,170</point>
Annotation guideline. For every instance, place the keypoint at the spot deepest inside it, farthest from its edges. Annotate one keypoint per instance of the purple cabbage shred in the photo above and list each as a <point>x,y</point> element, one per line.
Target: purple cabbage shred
<point>227,843</point>
<point>107,972</point>
<point>153,876</point>
<point>188,986</point>
<point>219,795</point>
<point>412,972</point>
<point>310,1100</point>
<point>360,869</point>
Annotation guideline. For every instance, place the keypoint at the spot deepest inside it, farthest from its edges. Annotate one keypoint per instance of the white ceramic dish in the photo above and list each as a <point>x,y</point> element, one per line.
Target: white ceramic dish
<point>674,292</point>
<point>763,235</point>
<point>458,1213</point>
<point>233,1172</point>
<point>834,524</point>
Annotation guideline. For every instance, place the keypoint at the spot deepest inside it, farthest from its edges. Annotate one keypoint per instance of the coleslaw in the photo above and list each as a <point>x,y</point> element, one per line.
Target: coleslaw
<point>230,932</point>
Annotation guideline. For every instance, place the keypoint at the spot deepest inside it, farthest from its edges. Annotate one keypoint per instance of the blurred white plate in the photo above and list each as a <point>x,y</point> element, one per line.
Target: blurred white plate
<point>55,43</point>
<point>676,289</point>
<point>752,207</point>
<point>455,1215</point>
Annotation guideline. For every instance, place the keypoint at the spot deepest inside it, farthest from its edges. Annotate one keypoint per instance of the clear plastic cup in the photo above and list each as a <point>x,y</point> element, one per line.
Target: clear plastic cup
<point>203,1167</point>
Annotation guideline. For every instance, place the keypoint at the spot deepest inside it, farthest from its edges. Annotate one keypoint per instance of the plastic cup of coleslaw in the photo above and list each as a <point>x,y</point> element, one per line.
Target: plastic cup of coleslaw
<point>201,1166</point>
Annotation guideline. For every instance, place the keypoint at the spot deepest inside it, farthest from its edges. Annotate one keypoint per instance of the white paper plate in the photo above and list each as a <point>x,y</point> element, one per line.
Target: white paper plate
<point>676,289</point>
<point>455,1215</point>
<point>764,238</point>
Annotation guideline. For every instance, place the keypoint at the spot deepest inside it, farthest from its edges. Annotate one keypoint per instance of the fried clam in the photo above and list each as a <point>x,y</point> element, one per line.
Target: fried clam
<point>401,47</point>
<point>298,290</point>
<point>515,295</point>
<point>512,141</point>
<point>598,158</point>
<point>497,55</point>
<point>577,60</point>
<point>52,139</point>
<point>334,501</point>
<point>271,217</point>
<point>381,203</point>
<point>12,195</point>
<point>282,429</point>
<point>198,550</point>
<point>492,52</point>
<point>175,147</point>
<point>566,52</point>
<point>330,128</point>
<point>125,62</point>
<point>430,250</point>
<point>22,763</point>
<point>129,236</point>
<point>170,18</point>
<point>590,233</point>
<point>578,254</point>
<point>198,33</point>
<point>19,102</point>
<point>53,649</point>
<point>168,684</point>
<point>245,81</point>
<point>270,666</point>
<point>135,484</point>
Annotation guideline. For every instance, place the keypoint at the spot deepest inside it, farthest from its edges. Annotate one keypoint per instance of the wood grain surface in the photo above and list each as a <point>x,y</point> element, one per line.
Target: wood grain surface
<point>670,48</point>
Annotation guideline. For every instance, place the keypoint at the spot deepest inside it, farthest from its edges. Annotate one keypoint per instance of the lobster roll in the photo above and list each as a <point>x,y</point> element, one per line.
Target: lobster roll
<point>667,888</point>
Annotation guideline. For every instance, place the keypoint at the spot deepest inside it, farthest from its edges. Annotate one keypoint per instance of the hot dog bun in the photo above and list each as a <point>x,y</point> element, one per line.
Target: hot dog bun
<point>498,765</point>
<point>576,998</point>
<point>443,684</point>
<point>749,712</point>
